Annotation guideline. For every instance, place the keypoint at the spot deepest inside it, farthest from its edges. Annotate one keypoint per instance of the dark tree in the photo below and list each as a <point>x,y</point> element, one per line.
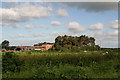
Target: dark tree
<point>74,43</point>
<point>5,44</point>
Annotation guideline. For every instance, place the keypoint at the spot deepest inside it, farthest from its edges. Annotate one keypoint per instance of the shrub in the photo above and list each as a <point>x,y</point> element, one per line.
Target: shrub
<point>11,62</point>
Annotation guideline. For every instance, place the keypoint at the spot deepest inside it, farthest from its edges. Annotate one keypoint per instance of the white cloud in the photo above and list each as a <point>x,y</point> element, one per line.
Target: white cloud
<point>39,35</point>
<point>114,24</point>
<point>10,24</point>
<point>29,26</point>
<point>56,23</point>
<point>55,34</point>
<point>75,27</point>
<point>105,34</point>
<point>26,36</point>
<point>97,26</point>
<point>31,11</point>
<point>114,33</point>
<point>62,13</point>
<point>106,38</point>
<point>24,12</point>
<point>17,36</point>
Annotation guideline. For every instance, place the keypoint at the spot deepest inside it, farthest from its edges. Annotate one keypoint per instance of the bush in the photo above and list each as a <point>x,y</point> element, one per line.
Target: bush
<point>11,62</point>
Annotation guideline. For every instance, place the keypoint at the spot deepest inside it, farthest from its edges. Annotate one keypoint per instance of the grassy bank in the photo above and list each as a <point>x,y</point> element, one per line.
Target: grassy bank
<point>61,65</point>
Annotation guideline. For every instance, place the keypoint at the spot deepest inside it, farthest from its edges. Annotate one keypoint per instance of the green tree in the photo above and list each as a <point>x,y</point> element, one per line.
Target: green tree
<point>5,44</point>
<point>74,43</point>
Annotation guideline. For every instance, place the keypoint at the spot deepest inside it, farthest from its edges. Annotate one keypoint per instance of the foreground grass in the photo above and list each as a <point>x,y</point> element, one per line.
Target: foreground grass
<point>61,65</point>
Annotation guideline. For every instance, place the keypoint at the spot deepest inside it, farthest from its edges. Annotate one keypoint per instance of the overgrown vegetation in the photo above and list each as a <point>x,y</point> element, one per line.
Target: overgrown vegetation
<point>61,66</point>
<point>11,62</point>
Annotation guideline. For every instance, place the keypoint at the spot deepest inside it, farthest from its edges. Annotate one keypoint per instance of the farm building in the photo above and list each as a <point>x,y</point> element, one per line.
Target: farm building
<point>46,46</point>
<point>23,48</point>
<point>28,48</point>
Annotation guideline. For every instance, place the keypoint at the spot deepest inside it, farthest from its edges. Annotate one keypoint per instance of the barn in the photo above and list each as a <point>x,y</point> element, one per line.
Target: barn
<point>28,48</point>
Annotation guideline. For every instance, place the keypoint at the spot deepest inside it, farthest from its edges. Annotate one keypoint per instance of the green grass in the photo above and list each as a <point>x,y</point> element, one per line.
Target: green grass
<point>56,52</point>
<point>62,65</point>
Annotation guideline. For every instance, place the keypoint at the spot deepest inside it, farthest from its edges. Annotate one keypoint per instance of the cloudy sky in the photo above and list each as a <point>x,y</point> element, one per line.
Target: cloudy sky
<point>27,23</point>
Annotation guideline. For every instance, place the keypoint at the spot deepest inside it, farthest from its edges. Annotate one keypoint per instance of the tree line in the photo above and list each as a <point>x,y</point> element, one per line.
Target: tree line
<point>74,43</point>
<point>65,43</point>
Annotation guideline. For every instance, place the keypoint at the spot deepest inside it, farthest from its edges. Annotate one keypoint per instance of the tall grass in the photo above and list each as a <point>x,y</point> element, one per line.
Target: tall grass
<point>62,65</point>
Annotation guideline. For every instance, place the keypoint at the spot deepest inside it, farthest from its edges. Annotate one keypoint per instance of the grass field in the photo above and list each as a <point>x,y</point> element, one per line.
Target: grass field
<point>61,65</point>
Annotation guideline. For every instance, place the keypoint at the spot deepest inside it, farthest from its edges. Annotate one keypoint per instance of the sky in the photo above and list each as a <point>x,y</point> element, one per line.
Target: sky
<point>28,23</point>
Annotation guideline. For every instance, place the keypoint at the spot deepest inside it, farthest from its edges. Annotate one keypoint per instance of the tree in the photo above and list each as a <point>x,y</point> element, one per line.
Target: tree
<point>5,44</point>
<point>74,43</point>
